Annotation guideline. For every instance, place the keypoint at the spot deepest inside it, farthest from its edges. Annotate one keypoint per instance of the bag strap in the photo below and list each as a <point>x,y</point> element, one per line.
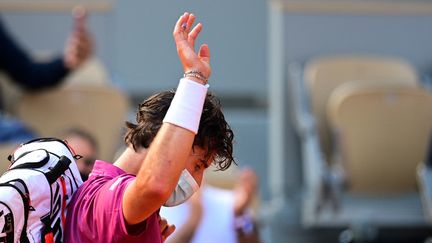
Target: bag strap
<point>50,139</point>
<point>47,235</point>
<point>61,166</point>
<point>52,176</point>
<point>64,201</point>
<point>47,139</point>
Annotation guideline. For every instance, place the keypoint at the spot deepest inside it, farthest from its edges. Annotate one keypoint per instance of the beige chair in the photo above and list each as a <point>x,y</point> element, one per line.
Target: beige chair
<point>5,151</point>
<point>322,75</point>
<point>101,110</point>
<point>91,73</point>
<point>382,134</point>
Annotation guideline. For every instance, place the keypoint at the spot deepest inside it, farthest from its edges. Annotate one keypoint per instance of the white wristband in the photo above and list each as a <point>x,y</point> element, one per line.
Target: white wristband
<point>186,107</point>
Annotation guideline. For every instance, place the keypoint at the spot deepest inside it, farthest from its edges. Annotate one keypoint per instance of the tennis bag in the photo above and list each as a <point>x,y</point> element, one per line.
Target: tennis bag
<point>36,190</point>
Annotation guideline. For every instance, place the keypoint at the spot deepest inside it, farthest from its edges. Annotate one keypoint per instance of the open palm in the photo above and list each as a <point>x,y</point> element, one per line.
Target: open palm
<point>185,36</point>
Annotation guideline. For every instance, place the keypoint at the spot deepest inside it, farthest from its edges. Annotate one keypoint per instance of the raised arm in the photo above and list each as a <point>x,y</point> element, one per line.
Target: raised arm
<point>79,46</point>
<point>16,62</point>
<point>167,154</point>
<point>34,75</point>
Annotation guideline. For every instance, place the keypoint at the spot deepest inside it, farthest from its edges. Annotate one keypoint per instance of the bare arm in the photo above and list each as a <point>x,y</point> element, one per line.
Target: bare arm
<point>167,154</point>
<point>245,192</point>
<point>34,75</point>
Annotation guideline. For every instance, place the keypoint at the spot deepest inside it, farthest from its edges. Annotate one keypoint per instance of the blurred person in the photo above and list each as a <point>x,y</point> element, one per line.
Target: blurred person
<point>86,146</point>
<point>217,215</point>
<point>185,231</point>
<point>177,136</point>
<point>245,192</point>
<point>33,76</point>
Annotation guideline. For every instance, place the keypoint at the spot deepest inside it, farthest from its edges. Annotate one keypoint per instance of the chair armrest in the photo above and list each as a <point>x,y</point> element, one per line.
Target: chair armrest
<point>424,178</point>
<point>303,120</point>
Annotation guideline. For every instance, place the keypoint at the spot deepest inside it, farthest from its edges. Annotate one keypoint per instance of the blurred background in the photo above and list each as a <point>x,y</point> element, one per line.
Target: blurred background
<point>277,67</point>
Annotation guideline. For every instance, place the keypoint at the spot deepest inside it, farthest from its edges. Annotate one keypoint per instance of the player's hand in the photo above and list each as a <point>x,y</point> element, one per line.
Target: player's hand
<point>185,37</point>
<point>166,228</point>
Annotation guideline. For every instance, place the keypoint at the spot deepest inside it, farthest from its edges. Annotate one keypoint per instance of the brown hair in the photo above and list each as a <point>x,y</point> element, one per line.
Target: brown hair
<point>214,133</point>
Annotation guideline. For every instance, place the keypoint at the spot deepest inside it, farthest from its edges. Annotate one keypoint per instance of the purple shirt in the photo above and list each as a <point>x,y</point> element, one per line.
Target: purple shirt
<point>95,213</point>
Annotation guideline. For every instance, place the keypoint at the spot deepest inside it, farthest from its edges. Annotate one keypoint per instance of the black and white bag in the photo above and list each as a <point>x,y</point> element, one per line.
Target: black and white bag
<point>36,190</point>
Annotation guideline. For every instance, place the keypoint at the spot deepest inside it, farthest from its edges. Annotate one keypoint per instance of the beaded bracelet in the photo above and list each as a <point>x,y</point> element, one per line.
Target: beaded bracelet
<point>196,74</point>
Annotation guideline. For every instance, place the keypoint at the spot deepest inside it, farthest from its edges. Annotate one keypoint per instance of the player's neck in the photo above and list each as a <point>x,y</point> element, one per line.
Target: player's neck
<point>130,161</point>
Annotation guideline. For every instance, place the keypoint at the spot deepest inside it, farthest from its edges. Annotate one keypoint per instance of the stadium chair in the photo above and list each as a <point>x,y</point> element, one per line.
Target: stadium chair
<point>322,75</point>
<point>310,87</point>
<point>380,131</point>
<point>5,150</point>
<point>382,136</point>
<point>101,110</point>
<point>91,73</point>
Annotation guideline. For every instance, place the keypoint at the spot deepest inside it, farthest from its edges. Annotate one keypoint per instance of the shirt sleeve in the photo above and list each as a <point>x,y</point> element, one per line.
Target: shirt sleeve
<point>108,209</point>
<point>23,70</point>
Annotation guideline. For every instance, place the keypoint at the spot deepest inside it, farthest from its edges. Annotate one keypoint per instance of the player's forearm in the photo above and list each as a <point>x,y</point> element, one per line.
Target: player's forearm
<point>166,158</point>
